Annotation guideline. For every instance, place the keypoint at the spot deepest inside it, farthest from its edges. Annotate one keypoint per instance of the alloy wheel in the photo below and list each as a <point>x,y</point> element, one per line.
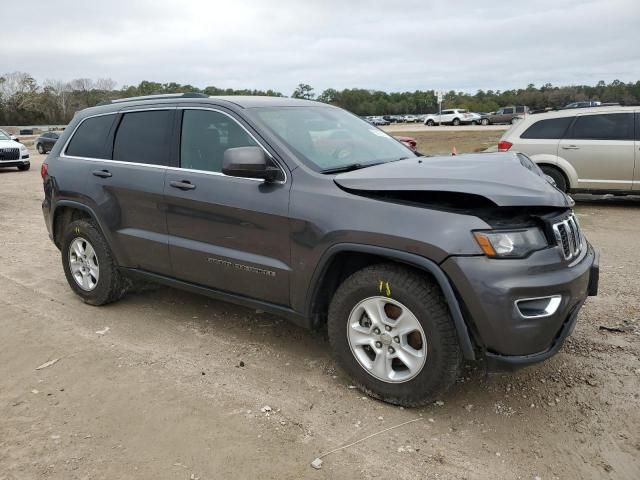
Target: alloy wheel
<point>387,339</point>
<point>83,263</point>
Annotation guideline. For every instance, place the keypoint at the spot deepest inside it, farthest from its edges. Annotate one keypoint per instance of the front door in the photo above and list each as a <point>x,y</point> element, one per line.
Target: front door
<point>226,233</point>
<point>600,147</point>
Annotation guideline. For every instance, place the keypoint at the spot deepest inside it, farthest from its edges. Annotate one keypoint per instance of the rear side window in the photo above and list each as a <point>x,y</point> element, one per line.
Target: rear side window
<point>551,129</point>
<point>609,126</point>
<point>638,126</point>
<point>205,137</point>
<point>507,111</point>
<point>89,140</point>
<point>143,137</point>
<point>519,109</point>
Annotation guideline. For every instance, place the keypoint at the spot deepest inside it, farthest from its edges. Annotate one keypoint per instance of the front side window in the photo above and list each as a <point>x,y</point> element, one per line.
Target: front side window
<point>206,135</point>
<point>143,137</point>
<point>608,126</point>
<point>89,140</point>
<point>327,138</point>
<point>551,129</point>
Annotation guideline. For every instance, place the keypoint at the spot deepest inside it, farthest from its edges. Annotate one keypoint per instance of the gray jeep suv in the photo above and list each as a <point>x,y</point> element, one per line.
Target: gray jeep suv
<point>301,209</point>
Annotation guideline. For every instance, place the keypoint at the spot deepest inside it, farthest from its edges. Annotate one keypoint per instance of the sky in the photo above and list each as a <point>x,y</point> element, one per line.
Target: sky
<point>461,45</point>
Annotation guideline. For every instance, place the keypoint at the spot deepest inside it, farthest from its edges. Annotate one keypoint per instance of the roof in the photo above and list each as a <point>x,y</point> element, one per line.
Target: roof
<point>568,112</point>
<point>242,101</point>
<point>251,101</point>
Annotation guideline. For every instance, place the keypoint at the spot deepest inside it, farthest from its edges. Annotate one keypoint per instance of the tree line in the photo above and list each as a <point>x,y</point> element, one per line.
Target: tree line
<point>25,102</point>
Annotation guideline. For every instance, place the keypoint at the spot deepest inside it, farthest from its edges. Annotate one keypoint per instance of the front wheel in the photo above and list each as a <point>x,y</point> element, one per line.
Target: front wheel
<point>89,266</point>
<point>484,121</point>
<point>456,122</point>
<point>430,123</point>
<point>25,167</point>
<point>390,329</point>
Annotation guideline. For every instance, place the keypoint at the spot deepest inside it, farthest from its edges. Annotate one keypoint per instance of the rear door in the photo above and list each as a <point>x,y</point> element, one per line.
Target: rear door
<point>226,233</point>
<point>600,147</point>
<point>127,189</point>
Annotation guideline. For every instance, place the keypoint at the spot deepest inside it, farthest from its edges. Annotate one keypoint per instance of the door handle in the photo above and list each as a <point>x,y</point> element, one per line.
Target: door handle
<point>102,173</point>
<point>570,147</point>
<point>183,185</point>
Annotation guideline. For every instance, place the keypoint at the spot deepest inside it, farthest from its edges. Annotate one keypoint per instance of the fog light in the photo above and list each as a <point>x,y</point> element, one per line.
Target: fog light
<point>538,307</point>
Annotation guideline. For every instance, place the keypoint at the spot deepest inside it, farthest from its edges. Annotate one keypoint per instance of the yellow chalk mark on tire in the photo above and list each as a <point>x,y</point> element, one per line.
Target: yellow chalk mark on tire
<point>384,287</point>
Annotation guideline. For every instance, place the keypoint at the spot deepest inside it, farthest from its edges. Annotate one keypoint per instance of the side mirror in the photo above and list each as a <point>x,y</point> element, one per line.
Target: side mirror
<point>248,162</point>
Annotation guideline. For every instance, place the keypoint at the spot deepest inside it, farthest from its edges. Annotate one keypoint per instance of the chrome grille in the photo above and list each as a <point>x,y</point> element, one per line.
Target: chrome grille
<point>569,237</point>
<point>9,153</point>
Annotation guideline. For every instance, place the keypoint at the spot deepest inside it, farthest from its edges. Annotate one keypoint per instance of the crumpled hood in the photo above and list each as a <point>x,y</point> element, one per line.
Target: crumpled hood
<point>499,177</point>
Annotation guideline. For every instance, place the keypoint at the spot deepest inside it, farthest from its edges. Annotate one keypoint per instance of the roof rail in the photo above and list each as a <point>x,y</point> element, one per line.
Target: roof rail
<point>154,97</point>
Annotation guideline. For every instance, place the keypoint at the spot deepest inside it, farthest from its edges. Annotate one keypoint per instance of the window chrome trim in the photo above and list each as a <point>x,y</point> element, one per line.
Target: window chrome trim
<point>168,167</point>
<point>273,159</point>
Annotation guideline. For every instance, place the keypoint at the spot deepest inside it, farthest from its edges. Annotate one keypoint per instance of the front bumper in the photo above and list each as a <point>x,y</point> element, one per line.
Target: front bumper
<point>489,288</point>
<point>14,163</point>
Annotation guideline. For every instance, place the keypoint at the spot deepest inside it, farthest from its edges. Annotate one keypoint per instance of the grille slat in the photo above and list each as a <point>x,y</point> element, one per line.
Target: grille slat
<point>569,237</point>
<point>9,153</point>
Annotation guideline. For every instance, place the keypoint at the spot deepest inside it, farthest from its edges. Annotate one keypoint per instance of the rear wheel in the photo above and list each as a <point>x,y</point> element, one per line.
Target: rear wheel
<point>391,331</point>
<point>484,121</point>
<point>557,175</point>
<point>456,122</point>
<point>40,149</point>
<point>89,265</point>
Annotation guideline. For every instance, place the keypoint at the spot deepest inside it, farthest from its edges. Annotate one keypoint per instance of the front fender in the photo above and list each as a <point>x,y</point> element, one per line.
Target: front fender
<point>413,260</point>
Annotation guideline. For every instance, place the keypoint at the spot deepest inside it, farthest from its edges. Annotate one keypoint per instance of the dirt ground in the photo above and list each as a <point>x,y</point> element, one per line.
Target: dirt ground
<point>162,394</point>
<point>442,140</point>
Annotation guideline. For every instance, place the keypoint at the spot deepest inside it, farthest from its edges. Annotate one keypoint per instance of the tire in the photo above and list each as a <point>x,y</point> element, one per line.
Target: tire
<point>557,175</point>
<point>484,121</point>
<point>419,297</point>
<point>513,121</point>
<point>40,149</point>
<point>109,284</point>
<point>429,123</point>
<point>473,122</point>
<point>24,168</point>
<point>456,122</point>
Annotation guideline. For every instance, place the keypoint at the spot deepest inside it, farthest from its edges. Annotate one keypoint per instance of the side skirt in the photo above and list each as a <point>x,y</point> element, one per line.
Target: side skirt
<point>247,302</point>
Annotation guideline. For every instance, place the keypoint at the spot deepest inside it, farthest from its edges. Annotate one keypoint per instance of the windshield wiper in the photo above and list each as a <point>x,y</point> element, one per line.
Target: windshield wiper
<point>348,168</point>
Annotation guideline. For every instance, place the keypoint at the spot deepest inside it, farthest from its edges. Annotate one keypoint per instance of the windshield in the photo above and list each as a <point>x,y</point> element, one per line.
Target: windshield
<point>4,136</point>
<point>328,138</point>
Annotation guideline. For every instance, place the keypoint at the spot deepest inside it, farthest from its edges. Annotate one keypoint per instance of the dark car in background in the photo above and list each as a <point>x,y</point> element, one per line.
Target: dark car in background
<point>45,142</point>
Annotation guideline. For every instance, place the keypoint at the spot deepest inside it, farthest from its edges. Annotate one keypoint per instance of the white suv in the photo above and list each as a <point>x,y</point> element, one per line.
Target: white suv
<point>593,150</point>
<point>452,116</point>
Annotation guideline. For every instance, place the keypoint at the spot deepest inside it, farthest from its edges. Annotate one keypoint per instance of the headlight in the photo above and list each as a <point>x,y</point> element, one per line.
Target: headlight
<point>510,243</point>
<point>23,148</point>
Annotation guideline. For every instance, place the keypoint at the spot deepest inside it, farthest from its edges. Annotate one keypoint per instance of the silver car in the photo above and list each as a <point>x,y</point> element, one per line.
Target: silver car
<point>594,150</point>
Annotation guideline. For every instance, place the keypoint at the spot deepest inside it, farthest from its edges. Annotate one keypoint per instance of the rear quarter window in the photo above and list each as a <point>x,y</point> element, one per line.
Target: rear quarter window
<point>89,140</point>
<point>552,129</point>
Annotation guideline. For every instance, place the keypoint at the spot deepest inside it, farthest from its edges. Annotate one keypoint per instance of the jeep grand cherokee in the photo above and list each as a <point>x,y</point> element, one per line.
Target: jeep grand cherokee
<point>299,208</point>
